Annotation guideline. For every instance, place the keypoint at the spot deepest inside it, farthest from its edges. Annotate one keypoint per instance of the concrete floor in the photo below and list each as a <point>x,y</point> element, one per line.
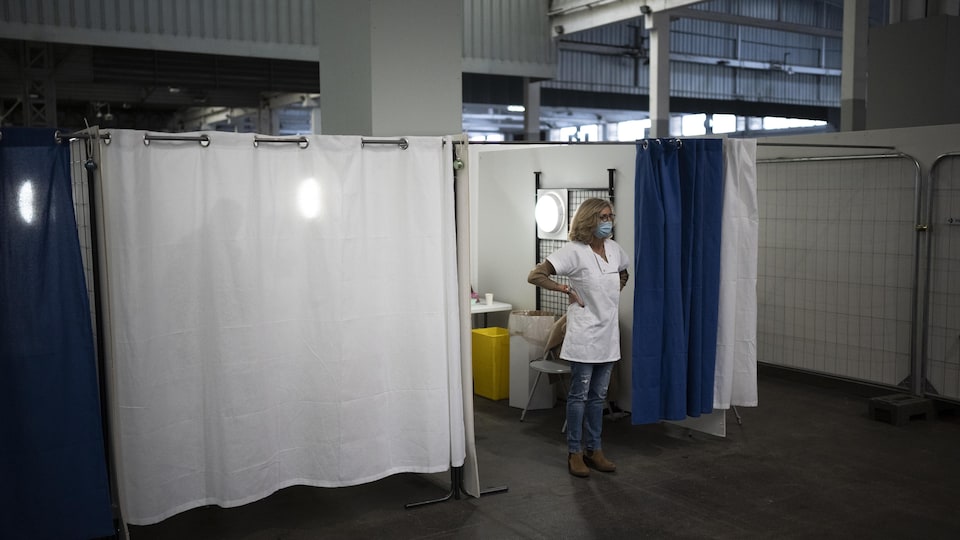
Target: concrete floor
<point>807,463</point>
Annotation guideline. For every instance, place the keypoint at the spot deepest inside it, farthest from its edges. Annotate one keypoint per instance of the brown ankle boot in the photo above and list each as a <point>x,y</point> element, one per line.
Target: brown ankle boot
<point>576,466</point>
<point>596,459</point>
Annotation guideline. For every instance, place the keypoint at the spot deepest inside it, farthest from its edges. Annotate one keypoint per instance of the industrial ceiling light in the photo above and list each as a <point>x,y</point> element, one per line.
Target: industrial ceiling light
<point>551,214</point>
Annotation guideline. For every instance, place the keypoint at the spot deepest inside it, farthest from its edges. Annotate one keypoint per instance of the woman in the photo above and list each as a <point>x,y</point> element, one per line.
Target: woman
<point>596,267</point>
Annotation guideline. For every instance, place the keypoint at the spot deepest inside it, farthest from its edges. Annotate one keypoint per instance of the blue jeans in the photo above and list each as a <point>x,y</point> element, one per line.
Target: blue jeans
<point>585,401</point>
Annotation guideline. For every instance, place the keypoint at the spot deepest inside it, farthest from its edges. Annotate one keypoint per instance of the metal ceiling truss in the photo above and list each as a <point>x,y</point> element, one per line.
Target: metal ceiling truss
<point>39,87</point>
<point>570,16</point>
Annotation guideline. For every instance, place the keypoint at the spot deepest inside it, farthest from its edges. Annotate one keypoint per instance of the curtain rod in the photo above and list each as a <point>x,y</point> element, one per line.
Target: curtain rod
<point>402,143</point>
<point>59,137</point>
<point>644,143</point>
<point>836,158</point>
<point>814,145</point>
<point>302,141</point>
<point>808,145</point>
<point>204,140</point>
<point>557,143</point>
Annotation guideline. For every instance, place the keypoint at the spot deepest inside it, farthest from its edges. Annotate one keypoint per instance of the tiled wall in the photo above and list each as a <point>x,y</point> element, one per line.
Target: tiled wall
<point>553,301</point>
<point>943,327</point>
<point>836,266</point>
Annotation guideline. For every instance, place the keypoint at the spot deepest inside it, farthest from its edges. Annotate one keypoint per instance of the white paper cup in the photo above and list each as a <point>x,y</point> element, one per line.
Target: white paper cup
<point>489,299</point>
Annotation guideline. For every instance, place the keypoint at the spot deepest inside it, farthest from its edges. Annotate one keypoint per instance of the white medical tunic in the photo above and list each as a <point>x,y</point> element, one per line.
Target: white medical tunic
<point>593,330</point>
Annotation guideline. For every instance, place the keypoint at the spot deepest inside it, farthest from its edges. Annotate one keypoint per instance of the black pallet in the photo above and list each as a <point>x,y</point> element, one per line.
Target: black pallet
<point>899,409</point>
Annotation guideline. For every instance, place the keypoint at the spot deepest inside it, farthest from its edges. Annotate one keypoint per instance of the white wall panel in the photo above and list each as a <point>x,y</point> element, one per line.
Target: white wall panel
<point>794,88</point>
<point>704,38</point>
<point>508,37</point>
<point>503,37</point>
<point>702,81</point>
<point>261,28</point>
<point>599,73</point>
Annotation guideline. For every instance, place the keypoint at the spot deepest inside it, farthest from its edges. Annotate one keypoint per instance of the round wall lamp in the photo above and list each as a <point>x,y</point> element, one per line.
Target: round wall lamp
<point>551,214</point>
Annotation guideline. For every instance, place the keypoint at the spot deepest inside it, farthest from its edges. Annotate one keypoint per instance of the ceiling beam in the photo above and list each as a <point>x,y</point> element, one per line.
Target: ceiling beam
<point>761,66</point>
<point>687,13</point>
<point>569,16</point>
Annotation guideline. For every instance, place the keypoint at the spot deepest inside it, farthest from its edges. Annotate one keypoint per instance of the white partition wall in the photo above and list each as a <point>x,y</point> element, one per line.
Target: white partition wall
<point>506,229</point>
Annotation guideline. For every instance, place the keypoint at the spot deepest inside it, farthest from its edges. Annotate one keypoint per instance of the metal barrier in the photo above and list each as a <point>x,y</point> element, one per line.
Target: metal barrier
<point>839,264</point>
<point>940,342</point>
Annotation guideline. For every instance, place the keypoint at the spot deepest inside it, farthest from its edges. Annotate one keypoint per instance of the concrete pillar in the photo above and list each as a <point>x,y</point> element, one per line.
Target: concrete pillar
<point>531,112</point>
<point>391,68</point>
<point>909,10</point>
<point>659,26</point>
<point>315,123</point>
<point>853,81</point>
<point>928,71</point>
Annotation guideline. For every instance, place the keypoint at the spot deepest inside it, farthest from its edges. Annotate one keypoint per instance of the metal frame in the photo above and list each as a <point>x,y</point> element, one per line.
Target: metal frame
<point>85,147</point>
<point>915,380</point>
<point>925,330</point>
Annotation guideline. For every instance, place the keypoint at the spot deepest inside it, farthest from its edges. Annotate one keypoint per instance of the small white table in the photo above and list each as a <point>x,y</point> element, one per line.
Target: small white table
<point>484,308</point>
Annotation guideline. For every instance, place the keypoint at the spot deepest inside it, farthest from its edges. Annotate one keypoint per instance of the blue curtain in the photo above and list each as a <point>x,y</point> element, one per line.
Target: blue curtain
<point>679,207</point>
<point>53,477</point>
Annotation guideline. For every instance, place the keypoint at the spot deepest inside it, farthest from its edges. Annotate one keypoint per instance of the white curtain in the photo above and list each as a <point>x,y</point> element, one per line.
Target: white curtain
<point>278,316</point>
<point>735,380</point>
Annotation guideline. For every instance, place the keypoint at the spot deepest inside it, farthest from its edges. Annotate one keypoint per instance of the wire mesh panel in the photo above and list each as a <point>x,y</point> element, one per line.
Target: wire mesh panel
<point>81,210</point>
<point>836,271</point>
<point>553,301</point>
<point>943,324</point>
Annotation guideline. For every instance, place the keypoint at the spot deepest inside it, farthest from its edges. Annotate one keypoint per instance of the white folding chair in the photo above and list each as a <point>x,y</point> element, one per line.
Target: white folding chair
<point>550,364</point>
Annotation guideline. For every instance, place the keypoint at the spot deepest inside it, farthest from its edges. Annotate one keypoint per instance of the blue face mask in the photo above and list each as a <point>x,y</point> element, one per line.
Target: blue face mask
<point>604,230</point>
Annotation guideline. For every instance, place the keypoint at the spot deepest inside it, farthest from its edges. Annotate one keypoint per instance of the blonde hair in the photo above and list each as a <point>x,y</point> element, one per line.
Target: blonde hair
<point>586,219</point>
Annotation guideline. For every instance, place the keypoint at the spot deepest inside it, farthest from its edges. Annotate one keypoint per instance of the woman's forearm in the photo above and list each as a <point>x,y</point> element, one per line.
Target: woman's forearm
<point>540,276</point>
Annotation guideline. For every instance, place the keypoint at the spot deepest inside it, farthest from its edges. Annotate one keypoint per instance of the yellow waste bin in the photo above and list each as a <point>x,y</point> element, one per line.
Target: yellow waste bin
<point>491,362</point>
